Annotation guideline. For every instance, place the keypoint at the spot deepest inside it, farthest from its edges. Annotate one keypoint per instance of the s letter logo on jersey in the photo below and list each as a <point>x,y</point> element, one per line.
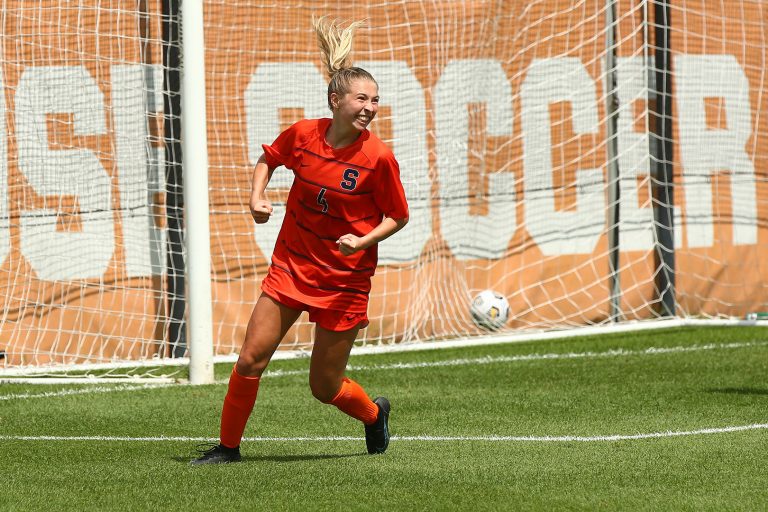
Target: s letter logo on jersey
<point>350,179</point>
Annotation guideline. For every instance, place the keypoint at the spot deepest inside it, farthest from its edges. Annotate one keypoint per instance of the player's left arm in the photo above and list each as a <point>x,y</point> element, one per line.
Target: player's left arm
<point>350,244</point>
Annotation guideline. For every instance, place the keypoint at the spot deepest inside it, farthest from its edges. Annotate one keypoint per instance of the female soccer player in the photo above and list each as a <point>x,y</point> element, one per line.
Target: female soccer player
<point>346,198</point>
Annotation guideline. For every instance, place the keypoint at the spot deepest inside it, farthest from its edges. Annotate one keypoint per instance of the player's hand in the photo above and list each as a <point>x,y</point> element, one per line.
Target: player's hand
<point>261,210</point>
<point>349,244</point>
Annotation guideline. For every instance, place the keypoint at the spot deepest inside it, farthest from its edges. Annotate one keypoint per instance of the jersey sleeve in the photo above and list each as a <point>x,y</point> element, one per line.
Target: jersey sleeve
<point>283,150</point>
<point>390,196</point>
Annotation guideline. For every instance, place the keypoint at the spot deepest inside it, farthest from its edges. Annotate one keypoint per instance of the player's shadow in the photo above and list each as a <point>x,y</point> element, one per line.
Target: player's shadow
<point>299,458</point>
<point>740,391</point>
<point>284,458</point>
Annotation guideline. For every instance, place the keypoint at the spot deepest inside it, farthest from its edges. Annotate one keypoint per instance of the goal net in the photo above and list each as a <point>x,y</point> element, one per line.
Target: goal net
<point>595,162</point>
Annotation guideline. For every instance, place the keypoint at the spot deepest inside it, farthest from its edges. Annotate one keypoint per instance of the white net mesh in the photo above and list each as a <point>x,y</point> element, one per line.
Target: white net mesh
<point>496,110</point>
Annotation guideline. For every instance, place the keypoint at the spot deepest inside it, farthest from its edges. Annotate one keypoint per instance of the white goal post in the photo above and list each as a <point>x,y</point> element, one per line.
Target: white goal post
<point>602,164</point>
<point>195,151</point>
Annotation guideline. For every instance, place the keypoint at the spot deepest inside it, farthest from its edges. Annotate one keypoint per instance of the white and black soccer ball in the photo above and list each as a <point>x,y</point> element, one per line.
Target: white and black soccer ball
<point>489,310</point>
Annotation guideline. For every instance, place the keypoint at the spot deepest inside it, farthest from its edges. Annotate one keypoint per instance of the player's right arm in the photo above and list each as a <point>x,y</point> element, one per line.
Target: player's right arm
<point>261,208</point>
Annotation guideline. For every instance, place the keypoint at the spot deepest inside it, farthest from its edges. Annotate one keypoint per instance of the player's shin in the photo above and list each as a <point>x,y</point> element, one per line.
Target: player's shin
<point>238,404</point>
<point>352,400</point>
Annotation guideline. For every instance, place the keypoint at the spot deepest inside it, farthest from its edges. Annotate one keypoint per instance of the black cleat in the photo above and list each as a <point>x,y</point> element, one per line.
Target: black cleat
<point>217,454</point>
<point>377,433</point>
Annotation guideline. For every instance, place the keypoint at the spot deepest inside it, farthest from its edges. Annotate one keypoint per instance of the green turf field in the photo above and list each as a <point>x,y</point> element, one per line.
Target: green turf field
<point>657,420</point>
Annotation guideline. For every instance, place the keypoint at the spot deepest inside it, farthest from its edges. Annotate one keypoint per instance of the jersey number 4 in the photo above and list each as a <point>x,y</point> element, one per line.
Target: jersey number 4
<point>322,201</point>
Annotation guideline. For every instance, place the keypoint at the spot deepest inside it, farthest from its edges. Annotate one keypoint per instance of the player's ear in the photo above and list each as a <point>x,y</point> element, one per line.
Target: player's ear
<point>333,99</point>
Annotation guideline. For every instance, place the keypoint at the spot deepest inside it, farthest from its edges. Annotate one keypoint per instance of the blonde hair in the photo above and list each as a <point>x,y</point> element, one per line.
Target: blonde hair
<point>335,46</point>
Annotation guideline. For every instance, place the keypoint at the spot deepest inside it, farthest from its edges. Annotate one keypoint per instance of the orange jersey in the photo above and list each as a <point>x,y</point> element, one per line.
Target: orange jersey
<point>334,192</point>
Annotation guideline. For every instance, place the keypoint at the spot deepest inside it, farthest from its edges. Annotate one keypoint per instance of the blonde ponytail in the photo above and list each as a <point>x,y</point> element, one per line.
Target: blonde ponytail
<point>336,46</point>
<point>335,43</point>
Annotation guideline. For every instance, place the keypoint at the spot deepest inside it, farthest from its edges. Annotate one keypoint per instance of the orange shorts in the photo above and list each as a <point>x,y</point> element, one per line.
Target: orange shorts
<point>328,319</point>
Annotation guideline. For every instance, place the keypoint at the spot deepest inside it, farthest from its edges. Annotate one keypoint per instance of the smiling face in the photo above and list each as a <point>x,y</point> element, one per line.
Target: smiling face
<point>358,106</point>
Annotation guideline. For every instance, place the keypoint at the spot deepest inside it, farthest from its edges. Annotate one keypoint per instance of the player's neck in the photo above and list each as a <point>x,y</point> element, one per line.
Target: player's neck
<point>337,137</point>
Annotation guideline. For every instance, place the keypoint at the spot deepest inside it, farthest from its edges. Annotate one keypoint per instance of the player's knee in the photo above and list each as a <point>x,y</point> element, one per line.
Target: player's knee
<point>249,365</point>
<point>323,390</point>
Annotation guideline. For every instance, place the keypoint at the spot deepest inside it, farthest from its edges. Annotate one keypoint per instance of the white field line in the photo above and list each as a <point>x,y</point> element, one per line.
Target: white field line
<point>81,391</point>
<point>530,357</point>
<point>429,364</point>
<point>568,355</point>
<point>490,439</point>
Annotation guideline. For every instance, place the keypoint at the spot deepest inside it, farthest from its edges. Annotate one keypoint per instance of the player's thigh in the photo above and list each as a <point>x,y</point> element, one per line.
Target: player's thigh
<point>330,355</point>
<point>267,326</point>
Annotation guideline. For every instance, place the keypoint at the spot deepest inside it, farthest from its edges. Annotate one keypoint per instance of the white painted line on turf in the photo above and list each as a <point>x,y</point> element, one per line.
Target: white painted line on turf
<point>528,357</point>
<point>429,364</point>
<point>555,356</point>
<point>587,439</point>
<point>491,439</point>
<point>81,391</point>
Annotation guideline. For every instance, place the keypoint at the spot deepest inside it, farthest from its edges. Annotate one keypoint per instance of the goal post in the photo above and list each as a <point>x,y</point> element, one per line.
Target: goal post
<point>197,221</point>
<point>601,164</point>
<point>663,159</point>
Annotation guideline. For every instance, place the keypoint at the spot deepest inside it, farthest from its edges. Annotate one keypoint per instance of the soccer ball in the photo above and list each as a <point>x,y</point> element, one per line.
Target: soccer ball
<point>489,310</point>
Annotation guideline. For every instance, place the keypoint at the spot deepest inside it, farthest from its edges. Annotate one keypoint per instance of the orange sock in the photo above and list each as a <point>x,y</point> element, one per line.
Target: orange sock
<point>352,400</point>
<point>238,404</point>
